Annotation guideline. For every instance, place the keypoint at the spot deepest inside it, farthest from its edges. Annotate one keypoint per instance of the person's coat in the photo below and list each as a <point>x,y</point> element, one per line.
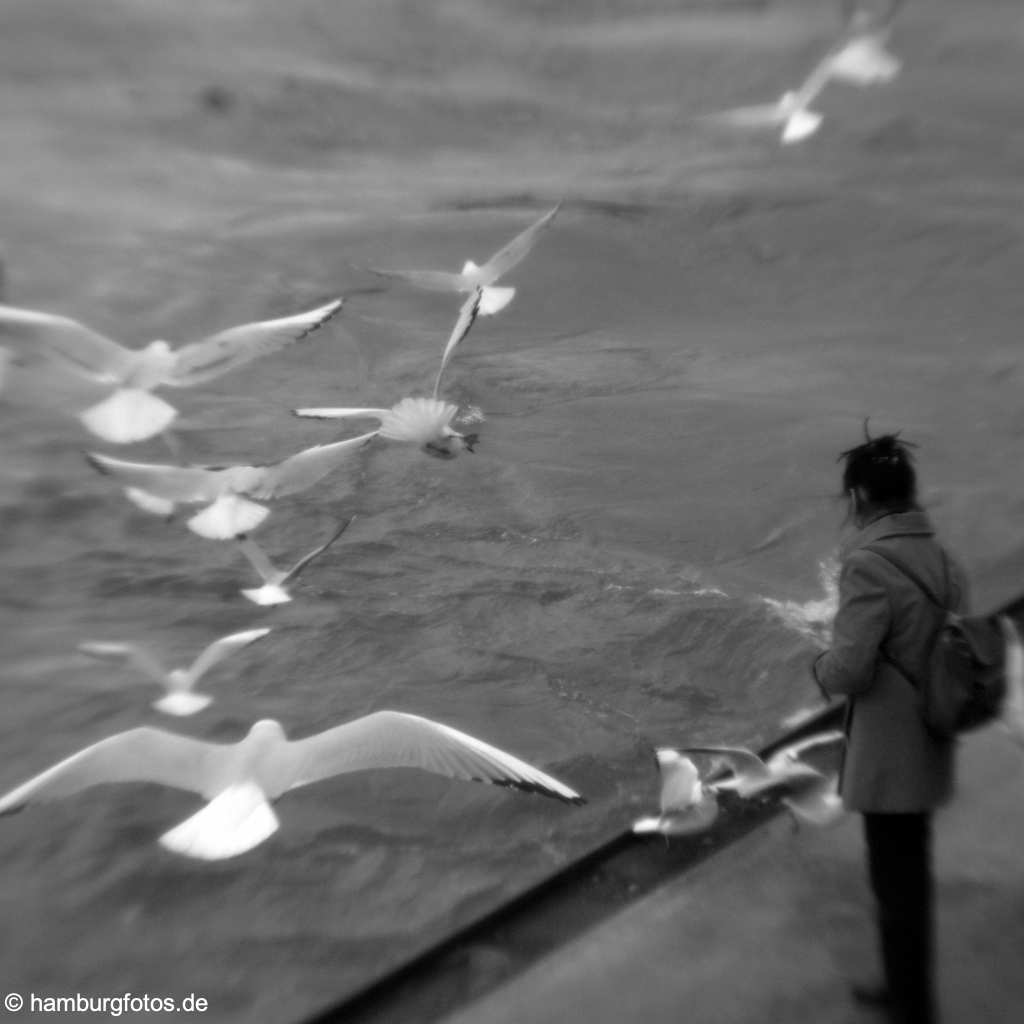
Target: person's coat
<point>891,763</point>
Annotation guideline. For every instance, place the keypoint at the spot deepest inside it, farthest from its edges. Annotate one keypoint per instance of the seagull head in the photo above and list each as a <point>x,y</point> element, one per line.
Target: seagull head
<point>267,732</point>
<point>451,444</point>
<point>178,678</point>
<point>439,451</point>
<point>666,757</point>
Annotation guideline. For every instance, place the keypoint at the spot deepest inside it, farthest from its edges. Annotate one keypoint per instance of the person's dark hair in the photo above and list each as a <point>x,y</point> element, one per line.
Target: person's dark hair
<point>883,468</point>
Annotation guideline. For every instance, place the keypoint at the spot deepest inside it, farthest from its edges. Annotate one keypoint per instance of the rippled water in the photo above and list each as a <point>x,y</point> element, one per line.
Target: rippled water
<point>640,552</point>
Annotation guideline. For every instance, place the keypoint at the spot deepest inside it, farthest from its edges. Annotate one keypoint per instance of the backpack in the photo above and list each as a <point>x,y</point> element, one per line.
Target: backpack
<point>965,683</point>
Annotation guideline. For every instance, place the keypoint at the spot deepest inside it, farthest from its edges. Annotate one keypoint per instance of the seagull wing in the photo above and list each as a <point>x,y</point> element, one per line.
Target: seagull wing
<point>392,739</point>
<point>821,739</point>
<point>430,280</point>
<point>174,483</point>
<point>303,469</point>
<point>85,351</point>
<point>138,755</point>
<point>340,414</point>
<point>204,360</point>
<point>516,250</point>
<point>680,785</point>
<point>316,552</point>
<point>467,317</point>
<point>220,649</point>
<point>258,558</point>
<point>136,656</point>
<point>805,93</point>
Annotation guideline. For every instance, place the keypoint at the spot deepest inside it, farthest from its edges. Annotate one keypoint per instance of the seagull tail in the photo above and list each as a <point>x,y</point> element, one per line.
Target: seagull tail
<point>821,813</point>
<point>800,125</point>
<point>494,300</point>
<point>646,826</point>
<point>149,502</point>
<point>182,704</point>
<point>234,822</point>
<point>268,594</point>
<point>129,414</point>
<point>227,517</point>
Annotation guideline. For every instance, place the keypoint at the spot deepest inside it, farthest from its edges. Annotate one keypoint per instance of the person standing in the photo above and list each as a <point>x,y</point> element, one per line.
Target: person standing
<point>895,772</point>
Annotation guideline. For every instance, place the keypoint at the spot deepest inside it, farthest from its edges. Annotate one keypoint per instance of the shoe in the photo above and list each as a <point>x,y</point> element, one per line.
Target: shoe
<point>873,994</point>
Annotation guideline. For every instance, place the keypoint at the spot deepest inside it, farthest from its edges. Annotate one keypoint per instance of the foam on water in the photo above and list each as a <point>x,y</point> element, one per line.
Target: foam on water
<point>813,618</point>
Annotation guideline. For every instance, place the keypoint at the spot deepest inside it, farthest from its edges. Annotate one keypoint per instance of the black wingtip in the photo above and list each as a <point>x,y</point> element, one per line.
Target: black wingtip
<point>94,461</point>
<point>535,788</point>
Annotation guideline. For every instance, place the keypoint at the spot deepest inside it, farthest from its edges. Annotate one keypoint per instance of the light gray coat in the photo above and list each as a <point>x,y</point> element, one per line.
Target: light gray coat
<point>892,763</point>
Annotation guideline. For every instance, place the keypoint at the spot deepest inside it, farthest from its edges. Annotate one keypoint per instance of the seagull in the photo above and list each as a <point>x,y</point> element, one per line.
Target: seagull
<point>131,412</point>
<point>473,277</point>
<point>180,699</point>
<point>859,58</point>
<point>687,806</point>
<point>752,776</point>
<point>240,780</point>
<point>1012,716</point>
<point>273,589</point>
<point>817,803</point>
<point>159,488</point>
<point>426,422</point>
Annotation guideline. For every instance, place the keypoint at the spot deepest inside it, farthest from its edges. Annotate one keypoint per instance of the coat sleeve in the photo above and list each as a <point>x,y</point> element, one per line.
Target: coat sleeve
<point>860,627</point>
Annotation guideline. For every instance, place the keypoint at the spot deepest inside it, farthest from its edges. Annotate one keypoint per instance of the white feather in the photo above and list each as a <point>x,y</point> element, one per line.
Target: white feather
<point>182,704</point>
<point>149,502</point>
<point>494,300</point>
<point>819,805</point>
<point>227,517</point>
<point>801,124</point>
<point>268,594</point>
<point>418,420</point>
<point>865,61</point>
<point>232,823</point>
<point>129,414</point>
<point>646,826</point>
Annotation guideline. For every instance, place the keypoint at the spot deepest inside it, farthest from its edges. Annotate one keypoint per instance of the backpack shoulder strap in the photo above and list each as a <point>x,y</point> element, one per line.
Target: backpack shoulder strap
<point>902,567</point>
<point>905,570</point>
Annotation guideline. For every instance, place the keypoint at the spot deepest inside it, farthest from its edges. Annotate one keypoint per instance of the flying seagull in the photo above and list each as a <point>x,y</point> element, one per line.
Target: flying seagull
<point>240,780</point>
<point>484,277</point>
<point>816,803</point>
<point>226,490</point>
<point>132,412</point>
<point>859,58</point>
<point>273,590</point>
<point>750,776</point>
<point>687,806</point>
<point>179,682</point>
<point>426,422</point>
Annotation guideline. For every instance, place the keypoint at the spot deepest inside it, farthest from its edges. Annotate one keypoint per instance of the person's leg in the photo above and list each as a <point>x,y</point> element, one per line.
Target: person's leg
<point>899,865</point>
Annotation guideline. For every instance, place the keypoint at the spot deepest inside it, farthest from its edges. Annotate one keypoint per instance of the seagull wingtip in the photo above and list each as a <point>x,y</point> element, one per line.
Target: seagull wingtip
<point>96,461</point>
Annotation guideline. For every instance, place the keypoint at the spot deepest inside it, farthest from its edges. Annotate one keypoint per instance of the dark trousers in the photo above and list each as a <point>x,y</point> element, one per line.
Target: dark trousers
<point>900,868</point>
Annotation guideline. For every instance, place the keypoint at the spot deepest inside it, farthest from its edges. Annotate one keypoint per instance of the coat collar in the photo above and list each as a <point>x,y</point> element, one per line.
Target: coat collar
<point>912,523</point>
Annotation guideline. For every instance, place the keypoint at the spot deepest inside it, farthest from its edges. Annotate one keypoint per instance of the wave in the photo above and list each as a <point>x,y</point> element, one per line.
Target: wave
<point>813,618</point>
